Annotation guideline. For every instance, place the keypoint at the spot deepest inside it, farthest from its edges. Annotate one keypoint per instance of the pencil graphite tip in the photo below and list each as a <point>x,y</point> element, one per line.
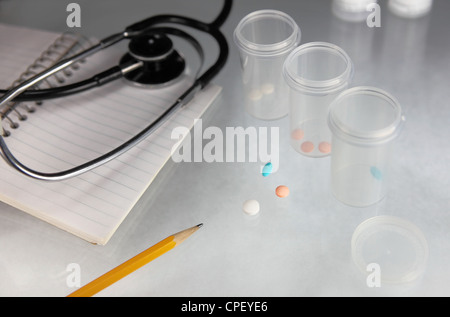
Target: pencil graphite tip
<point>200,225</point>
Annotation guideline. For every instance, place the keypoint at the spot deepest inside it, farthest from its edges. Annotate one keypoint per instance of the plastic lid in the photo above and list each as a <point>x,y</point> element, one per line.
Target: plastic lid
<point>263,22</point>
<point>395,244</point>
<point>410,8</point>
<point>336,66</point>
<point>352,10</point>
<point>353,5</point>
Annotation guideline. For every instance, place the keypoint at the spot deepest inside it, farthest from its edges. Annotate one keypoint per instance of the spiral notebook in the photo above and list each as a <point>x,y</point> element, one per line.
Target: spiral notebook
<point>62,133</point>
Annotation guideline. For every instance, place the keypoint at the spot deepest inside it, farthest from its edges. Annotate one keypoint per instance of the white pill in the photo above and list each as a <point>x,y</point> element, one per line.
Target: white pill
<point>267,89</point>
<point>255,95</point>
<point>251,207</point>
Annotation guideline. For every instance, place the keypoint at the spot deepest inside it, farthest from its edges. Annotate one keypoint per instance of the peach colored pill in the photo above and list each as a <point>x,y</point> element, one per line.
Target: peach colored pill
<point>297,134</point>
<point>282,191</point>
<point>307,147</point>
<point>325,147</point>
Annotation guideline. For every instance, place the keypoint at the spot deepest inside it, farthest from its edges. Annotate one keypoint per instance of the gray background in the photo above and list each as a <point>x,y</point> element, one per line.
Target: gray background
<point>296,246</point>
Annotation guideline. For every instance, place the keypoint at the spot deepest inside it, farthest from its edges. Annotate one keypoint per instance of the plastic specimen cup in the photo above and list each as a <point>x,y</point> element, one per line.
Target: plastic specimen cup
<point>316,73</point>
<point>364,122</point>
<point>264,39</point>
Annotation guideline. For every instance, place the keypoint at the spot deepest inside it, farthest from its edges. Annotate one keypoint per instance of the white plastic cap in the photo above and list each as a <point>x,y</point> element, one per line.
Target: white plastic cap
<point>410,8</point>
<point>351,10</point>
<point>353,5</point>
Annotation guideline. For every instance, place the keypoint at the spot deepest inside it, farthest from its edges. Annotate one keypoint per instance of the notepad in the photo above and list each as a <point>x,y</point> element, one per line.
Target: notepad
<point>65,132</point>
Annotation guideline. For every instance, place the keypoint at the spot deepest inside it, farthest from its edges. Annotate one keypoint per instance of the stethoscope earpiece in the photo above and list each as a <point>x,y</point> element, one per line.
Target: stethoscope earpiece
<point>162,64</point>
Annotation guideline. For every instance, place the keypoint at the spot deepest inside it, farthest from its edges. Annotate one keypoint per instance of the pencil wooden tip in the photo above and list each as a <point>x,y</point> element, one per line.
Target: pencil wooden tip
<point>182,235</point>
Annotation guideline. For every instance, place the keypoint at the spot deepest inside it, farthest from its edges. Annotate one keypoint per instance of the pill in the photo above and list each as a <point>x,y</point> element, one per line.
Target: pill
<point>376,173</point>
<point>251,207</point>
<point>297,134</point>
<point>255,95</point>
<point>307,147</point>
<point>325,147</point>
<point>282,191</point>
<point>267,169</point>
<point>267,89</point>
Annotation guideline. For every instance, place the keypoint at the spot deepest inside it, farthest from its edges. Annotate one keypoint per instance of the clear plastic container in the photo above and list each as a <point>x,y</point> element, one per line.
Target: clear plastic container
<point>410,8</point>
<point>364,121</point>
<point>316,73</point>
<point>352,10</point>
<point>264,39</point>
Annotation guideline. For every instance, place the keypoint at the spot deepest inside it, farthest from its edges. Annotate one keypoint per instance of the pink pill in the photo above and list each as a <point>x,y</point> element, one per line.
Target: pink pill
<point>325,147</point>
<point>297,134</point>
<point>307,147</point>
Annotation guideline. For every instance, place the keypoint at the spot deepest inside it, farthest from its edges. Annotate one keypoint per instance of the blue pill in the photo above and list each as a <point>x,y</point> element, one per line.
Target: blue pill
<point>267,169</point>
<point>376,173</point>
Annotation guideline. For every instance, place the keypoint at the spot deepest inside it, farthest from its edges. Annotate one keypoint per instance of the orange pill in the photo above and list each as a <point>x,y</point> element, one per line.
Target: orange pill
<point>282,191</point>
<point>297,134</point>
<point>325,147</point>
<point>307,147</point>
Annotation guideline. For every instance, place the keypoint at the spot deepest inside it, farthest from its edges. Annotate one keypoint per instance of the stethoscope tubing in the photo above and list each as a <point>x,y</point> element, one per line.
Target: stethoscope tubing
<point>134,30</point>
<point>104,77</point>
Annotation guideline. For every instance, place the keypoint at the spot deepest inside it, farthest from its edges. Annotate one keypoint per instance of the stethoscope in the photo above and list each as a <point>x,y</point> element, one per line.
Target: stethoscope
<point>151,60</point>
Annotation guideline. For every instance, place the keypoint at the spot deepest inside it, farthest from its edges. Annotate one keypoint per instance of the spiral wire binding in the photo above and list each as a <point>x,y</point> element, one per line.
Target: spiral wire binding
<point>64,45</point>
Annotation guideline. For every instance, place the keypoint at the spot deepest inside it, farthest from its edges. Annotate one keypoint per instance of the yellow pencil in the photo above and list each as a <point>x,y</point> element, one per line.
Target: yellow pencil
<point>134,263</point>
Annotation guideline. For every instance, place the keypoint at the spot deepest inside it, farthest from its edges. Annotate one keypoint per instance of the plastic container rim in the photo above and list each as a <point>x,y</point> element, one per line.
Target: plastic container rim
<point>318,86</point>
<point>267,50</point>
<point>360,137</point>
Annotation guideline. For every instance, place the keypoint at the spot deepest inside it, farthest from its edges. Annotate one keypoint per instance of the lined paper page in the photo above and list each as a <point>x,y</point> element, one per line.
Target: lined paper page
<point>16,54</point>
<point>66,132</point>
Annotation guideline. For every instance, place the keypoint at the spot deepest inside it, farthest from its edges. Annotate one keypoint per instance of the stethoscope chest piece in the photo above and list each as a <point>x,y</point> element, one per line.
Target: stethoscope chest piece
<point>162,64</point>
<point>151,61</point>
